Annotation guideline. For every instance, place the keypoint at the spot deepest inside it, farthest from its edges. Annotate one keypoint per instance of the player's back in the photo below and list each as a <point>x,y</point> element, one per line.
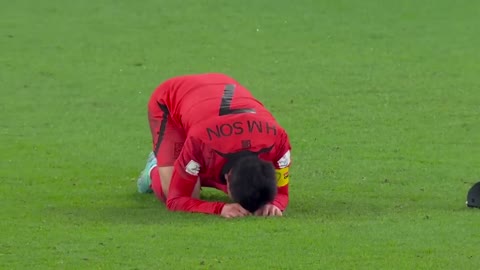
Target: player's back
<point>213,143</point>
<point>193,99</point>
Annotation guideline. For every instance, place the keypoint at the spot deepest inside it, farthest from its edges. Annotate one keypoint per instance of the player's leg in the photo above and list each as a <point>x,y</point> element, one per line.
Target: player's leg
<point>160,182</point>
<point>158,118</point>
<point>168,140</point>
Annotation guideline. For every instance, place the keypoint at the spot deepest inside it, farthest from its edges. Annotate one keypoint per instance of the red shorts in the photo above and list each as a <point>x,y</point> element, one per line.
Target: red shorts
<point>168,138</point>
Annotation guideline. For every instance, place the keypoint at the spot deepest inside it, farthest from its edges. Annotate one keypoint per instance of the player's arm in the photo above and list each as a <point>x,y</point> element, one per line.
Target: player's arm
<point>180,195</point>
<point>281,200</point>
<point>179,199</point>
<point>282,169</point>
<point>184,178</point>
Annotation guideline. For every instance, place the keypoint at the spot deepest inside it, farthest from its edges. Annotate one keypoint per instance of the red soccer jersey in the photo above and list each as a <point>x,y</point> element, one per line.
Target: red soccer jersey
<point>222,121</point>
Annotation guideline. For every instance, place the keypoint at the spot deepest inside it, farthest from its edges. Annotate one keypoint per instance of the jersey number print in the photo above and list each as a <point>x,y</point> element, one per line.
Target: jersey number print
<point>227,102</point>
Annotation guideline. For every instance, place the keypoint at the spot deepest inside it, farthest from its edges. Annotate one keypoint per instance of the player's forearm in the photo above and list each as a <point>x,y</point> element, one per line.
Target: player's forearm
<point>188,204</point>
<point>281,200</point>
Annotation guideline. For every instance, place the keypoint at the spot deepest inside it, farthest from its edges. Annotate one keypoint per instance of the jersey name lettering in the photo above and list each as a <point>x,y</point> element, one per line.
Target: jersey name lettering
<point>240,127</point>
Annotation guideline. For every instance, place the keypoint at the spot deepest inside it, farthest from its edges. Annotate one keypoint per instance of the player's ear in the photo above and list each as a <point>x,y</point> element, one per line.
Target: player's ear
<point>227,176</point>
<point>227,179</point>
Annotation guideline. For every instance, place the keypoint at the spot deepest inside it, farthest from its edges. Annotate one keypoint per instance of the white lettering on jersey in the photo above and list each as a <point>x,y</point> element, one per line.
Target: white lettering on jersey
<point>284,161</point>
<point>192,168</point>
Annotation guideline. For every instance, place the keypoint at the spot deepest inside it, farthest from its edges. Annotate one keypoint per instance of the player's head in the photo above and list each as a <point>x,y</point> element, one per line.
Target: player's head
<point>252,183</point>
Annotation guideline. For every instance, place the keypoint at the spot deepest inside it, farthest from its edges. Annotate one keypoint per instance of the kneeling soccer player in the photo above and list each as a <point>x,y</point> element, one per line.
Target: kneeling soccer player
<point>209,131</point>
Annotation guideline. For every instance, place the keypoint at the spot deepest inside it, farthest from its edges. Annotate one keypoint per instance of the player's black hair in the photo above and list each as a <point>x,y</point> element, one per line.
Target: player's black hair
<point>252,182</point>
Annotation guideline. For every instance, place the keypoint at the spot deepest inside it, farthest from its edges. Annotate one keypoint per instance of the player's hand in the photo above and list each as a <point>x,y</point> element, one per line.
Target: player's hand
<point>233,210</point>
<point>269,210</point>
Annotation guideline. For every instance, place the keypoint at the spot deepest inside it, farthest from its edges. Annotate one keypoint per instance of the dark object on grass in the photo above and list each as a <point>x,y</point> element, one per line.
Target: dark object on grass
<point>473,196</point>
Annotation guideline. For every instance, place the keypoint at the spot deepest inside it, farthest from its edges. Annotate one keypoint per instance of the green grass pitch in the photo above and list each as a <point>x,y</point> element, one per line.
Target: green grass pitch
<point>381,100</point>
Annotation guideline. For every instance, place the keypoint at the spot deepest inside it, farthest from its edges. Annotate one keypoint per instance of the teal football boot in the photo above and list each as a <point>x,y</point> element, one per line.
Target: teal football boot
<point>144,181</point>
